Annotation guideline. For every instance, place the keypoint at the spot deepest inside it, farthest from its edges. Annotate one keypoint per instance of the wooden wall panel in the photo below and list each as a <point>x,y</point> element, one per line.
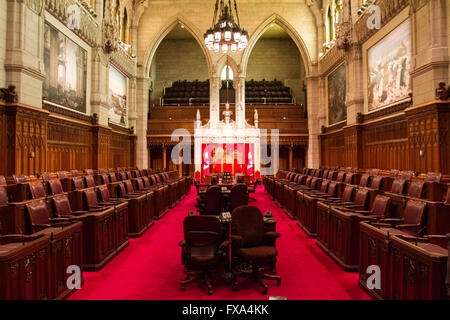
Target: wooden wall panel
<point>3,141</point>
<point>384,145</point>
<point>69,145</point>
<point>416,139</point>
<point>35,141</point>
<point>26,131</point>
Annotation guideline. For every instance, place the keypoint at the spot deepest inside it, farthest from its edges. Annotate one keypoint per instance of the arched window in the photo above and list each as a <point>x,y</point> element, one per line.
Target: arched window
<point>227,73</point>
<point>329,25</point>
<point>125,36</point>
<point>336,15</point>
<point>117,19</point>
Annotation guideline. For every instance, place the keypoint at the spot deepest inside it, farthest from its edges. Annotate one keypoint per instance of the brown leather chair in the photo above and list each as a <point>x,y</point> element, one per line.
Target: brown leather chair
<point>380,208</point>
<point>211,203</point>
<point>433,177</point>
<point>105,197</point>
<point>2,181</point>
<point>398,186</point>
<point>416,189</point>
<point>203,248</point>
<point>90,182</point>
<point>74,173</point>
<point>62,175</point>
<point>89,172</point>
<point>365,180</point>
<point>78,183</point>
<point>19,178</point>
<point>37,190</point>
<point>238,197</point>
<point>55,187</point>
<point>360,202</point>
<point>63,208</point>
<point>412,221</point>
<point>40,218</point>
<point>46,176</point>
<point>251,244</point>
<point>92,204</point>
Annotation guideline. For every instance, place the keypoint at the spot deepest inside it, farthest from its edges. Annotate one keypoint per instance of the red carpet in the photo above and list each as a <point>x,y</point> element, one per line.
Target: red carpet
<point>150,267</point>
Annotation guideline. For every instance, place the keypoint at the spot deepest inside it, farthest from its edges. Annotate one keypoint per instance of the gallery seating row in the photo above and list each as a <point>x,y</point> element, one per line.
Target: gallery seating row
<point>186,92</point>
<point>355,216</point>
<point>74,221</point>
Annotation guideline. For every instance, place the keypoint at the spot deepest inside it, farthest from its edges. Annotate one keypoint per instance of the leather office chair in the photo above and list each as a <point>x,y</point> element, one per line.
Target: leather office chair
<point>398,186</point>
<point>63,208</point>
<point>380,208</point>
<point>55,187</point>
<point>105,197</point>
<point>62,175</point>
<point>212,201</point>
<point>46,176</point>
<point>19,178</point>
<point>90,182</point>
<point>78,183</point>
<point>238,197</point>
<point>416,189</point>
<point>92,203</point>
<point>412,221</point>
<point>2,181</point>
<point>89,172</point>
<point>250,244</point>
<point>202,248</point>
<point>37,190</point>
<point>360,202</point>
<point>40,218</point>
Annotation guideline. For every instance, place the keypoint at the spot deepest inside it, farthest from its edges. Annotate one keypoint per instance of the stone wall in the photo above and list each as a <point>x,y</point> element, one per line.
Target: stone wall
<point>278,59</point>
<point>177,60</point>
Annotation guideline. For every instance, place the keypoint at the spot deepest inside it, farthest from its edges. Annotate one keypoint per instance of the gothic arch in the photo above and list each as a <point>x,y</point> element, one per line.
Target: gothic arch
<point>198,36</point>
<point>222,62</point>
<point>290,30</point>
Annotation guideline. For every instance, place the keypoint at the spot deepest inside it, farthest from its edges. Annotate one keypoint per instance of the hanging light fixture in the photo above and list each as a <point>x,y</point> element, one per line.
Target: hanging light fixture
<point>226,34</point>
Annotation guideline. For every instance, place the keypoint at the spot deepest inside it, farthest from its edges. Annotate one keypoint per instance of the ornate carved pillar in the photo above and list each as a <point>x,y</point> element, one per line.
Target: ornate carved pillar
<point>314,122</point>
<point>142,89</point>
<point>164,151</point>
<point>355,91</point>
<point>132,114</point>
<point>214,96</point>
<point>291,156</point>
<point>240,101</point>
<point>100,85</point>
<point>429,137</point>
<point>24,53</point>
<point>430,62</point>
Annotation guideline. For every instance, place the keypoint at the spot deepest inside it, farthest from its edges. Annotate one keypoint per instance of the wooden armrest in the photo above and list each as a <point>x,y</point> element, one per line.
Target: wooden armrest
<point>56,220</point>
<point>364,212</point>
<point>78,213</point>
<point>236,239</point>
<point>272,235</point>
<point>12,238</point>
<point>406,226</point>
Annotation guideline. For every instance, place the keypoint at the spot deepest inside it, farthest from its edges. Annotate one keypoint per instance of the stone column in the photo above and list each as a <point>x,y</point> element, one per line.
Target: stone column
<point>100,85</point>
<point>355,91</point>
<point>430,61</point>
<point>314,122</point>
<point>214,101</point>
<point>142,88</point>
<point>24,49</point>
<point>132,114</point>
<point>240,101</point>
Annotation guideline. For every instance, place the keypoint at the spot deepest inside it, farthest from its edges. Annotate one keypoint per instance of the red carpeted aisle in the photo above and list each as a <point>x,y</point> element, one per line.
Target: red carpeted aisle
<point>150,267</point>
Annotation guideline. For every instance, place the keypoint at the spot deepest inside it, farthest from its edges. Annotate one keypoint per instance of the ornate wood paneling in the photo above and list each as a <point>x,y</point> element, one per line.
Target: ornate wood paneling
<point>36,140</point>
<point>69,145</point>
<point>414,139</point>
<point>26,139</point>
<point>385,145</point>
<point>2,137</point>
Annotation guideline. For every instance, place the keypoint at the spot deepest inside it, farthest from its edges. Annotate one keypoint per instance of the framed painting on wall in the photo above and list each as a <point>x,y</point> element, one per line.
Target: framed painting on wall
<point>117,97</point>
<point>389,63</point>
<point>337,110</point>
<point>65,69</point>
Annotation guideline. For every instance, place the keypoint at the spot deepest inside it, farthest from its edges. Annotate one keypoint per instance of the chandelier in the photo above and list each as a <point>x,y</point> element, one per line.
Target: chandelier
<point>225,34</point>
